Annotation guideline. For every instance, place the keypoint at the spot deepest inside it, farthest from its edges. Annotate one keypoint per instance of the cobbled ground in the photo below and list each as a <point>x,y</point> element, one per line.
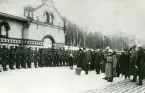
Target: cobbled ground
<point>124,86</point>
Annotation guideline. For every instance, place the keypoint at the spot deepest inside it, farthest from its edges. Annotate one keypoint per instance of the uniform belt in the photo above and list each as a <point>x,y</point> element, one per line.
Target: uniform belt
<point>109,62</point>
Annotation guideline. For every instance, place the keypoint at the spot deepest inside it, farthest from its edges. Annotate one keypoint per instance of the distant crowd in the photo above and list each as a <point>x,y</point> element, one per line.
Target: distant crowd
<point>113,64</point>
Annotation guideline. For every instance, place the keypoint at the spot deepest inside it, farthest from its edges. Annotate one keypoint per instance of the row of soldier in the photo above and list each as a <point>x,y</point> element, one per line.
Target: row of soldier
<point>21,57</point>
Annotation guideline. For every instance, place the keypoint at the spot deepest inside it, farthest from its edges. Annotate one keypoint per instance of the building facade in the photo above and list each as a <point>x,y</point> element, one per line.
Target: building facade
<point>40,26</point>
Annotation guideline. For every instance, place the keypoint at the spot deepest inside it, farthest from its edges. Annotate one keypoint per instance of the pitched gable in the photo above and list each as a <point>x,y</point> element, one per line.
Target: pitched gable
<point>49,7</point>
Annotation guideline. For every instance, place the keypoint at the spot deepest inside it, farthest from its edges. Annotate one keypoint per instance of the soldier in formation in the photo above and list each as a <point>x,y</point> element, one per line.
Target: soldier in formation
<point>130,62</point>
<point>20,57</point>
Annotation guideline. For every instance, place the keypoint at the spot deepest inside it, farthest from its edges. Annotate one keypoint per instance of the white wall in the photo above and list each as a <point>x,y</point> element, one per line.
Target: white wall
<point>15,29</point>
<point>38,34</point>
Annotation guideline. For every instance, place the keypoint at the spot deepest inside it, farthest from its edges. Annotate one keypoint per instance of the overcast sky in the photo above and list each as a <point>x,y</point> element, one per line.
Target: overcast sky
<point>108,16</point>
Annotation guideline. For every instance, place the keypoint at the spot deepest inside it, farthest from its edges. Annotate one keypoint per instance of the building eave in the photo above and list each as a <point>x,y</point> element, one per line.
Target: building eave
<point>5,15</point>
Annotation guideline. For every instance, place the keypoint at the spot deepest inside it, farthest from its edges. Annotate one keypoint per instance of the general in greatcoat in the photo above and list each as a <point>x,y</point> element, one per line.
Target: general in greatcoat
<point>109,66</point>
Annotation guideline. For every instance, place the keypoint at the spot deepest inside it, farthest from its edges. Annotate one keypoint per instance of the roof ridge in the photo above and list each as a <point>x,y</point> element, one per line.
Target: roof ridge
<point>53,7</point>
<point>56,9</point>
<point>38,7</point>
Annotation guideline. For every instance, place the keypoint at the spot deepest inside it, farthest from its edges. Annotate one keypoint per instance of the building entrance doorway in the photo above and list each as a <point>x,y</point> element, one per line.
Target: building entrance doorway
<point>47,43</point>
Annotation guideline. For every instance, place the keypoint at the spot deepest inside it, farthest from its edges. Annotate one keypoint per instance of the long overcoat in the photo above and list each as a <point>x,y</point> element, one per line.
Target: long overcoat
<point>108,69</point>
<point>87,60</point>
<point>97,60</point>
<point>124,60</point>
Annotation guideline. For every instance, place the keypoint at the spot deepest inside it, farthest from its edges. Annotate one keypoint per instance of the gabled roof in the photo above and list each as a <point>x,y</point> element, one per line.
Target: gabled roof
<point>57,11</point>
<point>16,11</point>
<point>38,7</point>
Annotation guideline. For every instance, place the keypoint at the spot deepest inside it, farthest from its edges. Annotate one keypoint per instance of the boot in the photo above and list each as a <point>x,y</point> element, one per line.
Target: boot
<point>110,80</point>
<point>133,80</point>
<point>86,72</point>
<point>105,78</point>
<point>139,84</point>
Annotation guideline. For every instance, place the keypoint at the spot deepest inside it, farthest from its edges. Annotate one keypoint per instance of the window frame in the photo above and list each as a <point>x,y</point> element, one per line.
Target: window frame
<point>47,17</point>
<point>26,13</point>
<point>52,18</point>
<point>31,14</point>
<point>6,33</point>
<point>3,28</point>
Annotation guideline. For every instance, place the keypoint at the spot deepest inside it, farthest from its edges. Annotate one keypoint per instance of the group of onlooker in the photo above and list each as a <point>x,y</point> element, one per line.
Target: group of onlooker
<point>129,62</point>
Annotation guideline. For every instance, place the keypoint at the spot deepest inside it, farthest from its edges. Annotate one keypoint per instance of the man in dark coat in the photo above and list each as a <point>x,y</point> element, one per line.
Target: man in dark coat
<point>63,59</point>
<point>132,68</point>
<point>36,58</point>
<point>124,60</point>
<point>18,57</point>
<point>41,61</point>
<point>97,61</point>
<point>60,59</point>
<point>77,58</point>
<point>46,58</point>
<point>139,63</point>
<point>70,59</point>
<point>54,59</point>
<point>66,58</point>
<point>102,63</point>
<point>4,58</point>
<point>81,58</point>
<point>86,61</point>
<point>92,60</point>
<point>23,57</point>
<point>0,57</point>
<point>50,59</point>
<point>11,58</point>
<point>29,57</point>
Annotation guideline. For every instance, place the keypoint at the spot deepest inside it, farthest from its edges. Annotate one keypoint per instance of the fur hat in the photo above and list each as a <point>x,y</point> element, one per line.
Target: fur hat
<point>139,45</point>
<point>107,48</point>
<point>98,50</point>
<point>110,51</point>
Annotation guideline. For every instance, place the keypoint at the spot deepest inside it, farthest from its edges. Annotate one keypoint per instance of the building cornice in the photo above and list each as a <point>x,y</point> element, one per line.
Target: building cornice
<point>19,41</point>
<point>46,24</point>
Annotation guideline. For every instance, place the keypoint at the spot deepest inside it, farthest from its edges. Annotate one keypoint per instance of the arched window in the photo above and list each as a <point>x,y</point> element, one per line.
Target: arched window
<point>26,13</point>
<point>31,13</point>
<point>3,30</point>
<point>47,18</point>
<point>52,18</point>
